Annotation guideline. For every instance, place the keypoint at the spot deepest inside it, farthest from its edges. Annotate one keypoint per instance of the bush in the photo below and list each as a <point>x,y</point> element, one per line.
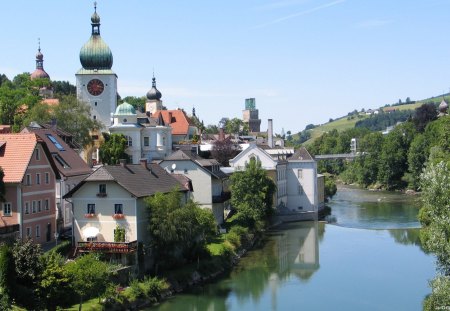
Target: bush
<point>62,248</point>
<point>234,238</point>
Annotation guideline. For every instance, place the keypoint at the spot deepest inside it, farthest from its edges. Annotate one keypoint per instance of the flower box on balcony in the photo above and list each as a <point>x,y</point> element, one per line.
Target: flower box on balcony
<point>118,216</point>
<point>101,194</point>
<point>89,215</point>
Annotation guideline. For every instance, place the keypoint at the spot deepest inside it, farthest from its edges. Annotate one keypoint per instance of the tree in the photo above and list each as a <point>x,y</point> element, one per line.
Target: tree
<point>113,148</point>
<point>417,156</point>
<point>74,117</point>
<point>330,187</point>
<point>53,282</point>
<point>211,129</point>
<point>178,231</point>
<point>137,102</point>
<point>27,271</point>
<point>6,276</point>
<point>89,277</point>
<point>252,193</point>
<point>236,126</point>
<point>61,88</point>
<point>224,150</point>
<point>424,115</point>
<point>435,233</point>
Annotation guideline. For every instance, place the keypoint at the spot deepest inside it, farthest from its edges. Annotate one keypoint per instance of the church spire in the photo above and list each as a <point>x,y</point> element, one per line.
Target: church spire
<point>39,72</point>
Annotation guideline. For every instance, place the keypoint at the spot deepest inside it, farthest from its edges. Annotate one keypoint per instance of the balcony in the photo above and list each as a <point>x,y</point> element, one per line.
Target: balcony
<point>89,215</point>
<point>107,247</point>
<point>223,197</point>
<point>102,194</point>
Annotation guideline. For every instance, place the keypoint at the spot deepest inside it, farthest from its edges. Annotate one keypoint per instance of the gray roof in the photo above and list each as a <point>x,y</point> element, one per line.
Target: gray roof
<point>135,178</point>
<point>301,154</point>
<point>208,164</point>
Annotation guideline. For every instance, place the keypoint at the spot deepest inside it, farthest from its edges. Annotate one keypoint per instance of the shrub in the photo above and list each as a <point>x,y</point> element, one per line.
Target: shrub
<point>234,238</point>
<point>62,248</point>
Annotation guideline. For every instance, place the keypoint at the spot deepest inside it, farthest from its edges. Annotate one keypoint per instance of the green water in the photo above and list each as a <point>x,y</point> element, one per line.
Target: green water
<point>313,266</point>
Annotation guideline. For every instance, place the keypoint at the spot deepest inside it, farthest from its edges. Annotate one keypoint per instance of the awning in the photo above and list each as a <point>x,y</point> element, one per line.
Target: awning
<point>90,232</point>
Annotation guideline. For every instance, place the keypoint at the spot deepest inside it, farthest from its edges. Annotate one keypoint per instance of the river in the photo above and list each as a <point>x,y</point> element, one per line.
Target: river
<point>368,258</point>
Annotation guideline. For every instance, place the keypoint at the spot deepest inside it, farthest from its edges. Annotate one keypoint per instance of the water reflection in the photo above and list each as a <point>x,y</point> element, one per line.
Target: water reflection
<point>356,208</point>
<point>289,251</point>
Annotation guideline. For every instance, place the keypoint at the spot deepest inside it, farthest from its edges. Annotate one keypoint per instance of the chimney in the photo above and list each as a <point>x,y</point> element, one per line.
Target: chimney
<point>221,134</point>
<point>123,162</point>
<point>170,117</point>
<point>270,133</point>
<point>144,163</point>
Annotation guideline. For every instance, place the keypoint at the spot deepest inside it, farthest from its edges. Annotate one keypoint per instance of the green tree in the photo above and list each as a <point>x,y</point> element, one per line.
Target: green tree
<point>137,102</point>
<point>6,276</point>
<point>113,148</point>
<point>74,117</point>
<point>89,277</point>
<point>252,193</point>
<point>424,115</point>
<point>61,88</point>
<point>211,129</point>
<point>178,231</point>
<point>53,282</point>
<point>330,187</point>
<point>236,126</point>
<point>417,156</point>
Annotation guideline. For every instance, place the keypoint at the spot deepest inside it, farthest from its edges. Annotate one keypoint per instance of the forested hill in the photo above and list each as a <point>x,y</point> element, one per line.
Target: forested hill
<point>373,119</point>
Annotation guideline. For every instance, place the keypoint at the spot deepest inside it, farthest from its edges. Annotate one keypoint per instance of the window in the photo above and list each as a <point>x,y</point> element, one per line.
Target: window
<point>28,232</point>
<point>102,190</point>
<point>39,207</point>
<point>7,209</point>
<point>47,178</point>
<point>163,141</point>
<point>47,204</point>
<point>33,207</point>
<point>91,208</point>
<point>300,189</point>
<point>27,207</point>
<point>55,142</point>
<point>38,179</point>
<point>28,180</point>
<point>38,231</point>
<point>118,208</point>
<point>299,173</point>
<point>129,141</point>
<point>37,154</point>
<point>146,141</point>
<point>95,117</point>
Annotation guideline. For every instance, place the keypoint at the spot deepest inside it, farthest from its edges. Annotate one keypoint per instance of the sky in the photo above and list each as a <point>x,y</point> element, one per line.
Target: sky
<point>305,61</point>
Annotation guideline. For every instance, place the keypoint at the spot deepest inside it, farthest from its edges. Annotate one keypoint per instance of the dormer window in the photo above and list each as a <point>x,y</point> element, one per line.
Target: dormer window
<point>101,190</point>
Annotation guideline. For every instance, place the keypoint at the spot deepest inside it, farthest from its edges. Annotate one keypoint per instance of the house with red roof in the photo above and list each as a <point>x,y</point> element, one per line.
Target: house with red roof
<point>30,176</point>
<point>183,129</point>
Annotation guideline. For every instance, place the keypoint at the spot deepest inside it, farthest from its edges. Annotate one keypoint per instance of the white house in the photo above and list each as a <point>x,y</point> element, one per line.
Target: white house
<point>112,199</point>
<point>208,181</point>
<point>147,137</point>
<point>295,177</point>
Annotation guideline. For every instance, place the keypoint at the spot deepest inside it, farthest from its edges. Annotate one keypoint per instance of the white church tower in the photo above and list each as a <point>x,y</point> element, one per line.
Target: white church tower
<point>96,82</point>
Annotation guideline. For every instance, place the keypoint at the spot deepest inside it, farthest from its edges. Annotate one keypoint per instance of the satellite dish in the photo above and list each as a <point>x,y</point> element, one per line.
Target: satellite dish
<point>174,166</point>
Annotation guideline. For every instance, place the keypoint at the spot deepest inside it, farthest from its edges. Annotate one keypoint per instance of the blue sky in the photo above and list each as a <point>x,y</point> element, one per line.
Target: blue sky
<point>304,61</point>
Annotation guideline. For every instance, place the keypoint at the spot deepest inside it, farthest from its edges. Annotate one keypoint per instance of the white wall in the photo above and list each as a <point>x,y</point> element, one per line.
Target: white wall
<point>307,181</point>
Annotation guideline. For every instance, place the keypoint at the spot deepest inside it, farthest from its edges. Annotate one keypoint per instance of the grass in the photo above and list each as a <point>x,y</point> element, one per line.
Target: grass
<point>88,305</point>
<point>407,106</point>
<point>215,247</point>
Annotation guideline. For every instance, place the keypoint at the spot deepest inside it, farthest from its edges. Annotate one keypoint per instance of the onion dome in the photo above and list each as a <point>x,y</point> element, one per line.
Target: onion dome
<point>154,93</point>
<point>125,109</point>
<point>96,54</point>
<point>443,106</point>
<point>39,73</point>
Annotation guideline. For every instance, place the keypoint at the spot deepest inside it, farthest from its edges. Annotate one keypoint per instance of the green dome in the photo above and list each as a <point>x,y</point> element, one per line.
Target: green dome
<point>125,109</point>
<point>95,54</point>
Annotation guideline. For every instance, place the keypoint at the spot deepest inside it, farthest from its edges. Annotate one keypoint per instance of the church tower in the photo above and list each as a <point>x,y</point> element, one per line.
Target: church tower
<point>153,102</point>
<point>40,73</point>
<point>96,82</point>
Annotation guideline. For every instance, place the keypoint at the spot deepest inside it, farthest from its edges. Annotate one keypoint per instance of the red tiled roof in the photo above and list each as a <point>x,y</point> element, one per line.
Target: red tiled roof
<point>179,122</point>
<point>15,154</point>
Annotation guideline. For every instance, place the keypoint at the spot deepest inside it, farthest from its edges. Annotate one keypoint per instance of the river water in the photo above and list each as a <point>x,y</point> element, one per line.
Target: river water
<point>368,258</point>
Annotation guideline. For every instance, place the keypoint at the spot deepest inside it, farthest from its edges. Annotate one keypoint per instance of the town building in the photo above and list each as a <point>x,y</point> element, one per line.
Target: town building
<point>30,177</point>
<point>251,115</point>
<point>297,196</point>
<point>71,167</point>
<point>147,136</point>
<point>183,129</point>
<point>209,183</point>
<point>111,201</point>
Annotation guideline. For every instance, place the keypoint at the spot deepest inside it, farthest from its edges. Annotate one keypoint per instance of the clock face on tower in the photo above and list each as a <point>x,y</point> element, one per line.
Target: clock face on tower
<point>95,87</point>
